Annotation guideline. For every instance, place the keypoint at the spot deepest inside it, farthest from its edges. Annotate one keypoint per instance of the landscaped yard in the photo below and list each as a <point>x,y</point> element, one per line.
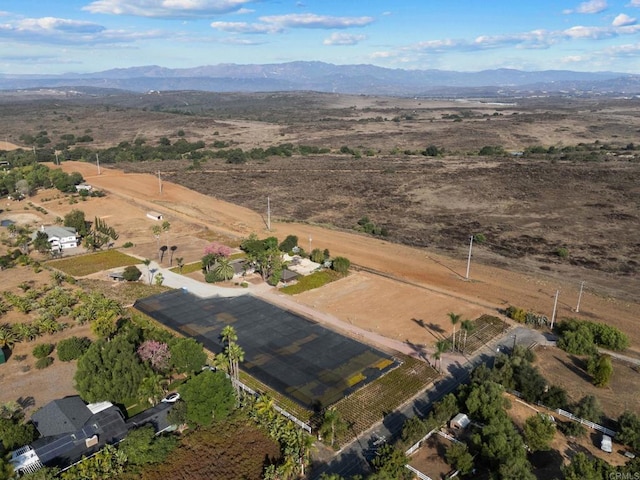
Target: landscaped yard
<point>94,262</point>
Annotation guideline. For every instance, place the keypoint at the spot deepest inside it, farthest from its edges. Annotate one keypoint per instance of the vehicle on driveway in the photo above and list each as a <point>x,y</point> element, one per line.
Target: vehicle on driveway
<point>171,398</point>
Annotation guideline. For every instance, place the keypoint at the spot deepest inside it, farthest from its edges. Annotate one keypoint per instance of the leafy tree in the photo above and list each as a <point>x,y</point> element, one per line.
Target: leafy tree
<point>555,397</point>
<point>333,425</point>
<point>539,431</point>
<point>485,401</point>
<point>389,463</point>
<point>107,463</point>
<point>72,348</point>
<point>317,256</point>
<point>143,447</point>
<point>341,265</point>
<point>208,396</point>
<point>76,219</point>
<point>187,355</point>
<point>578,341</point>
<point>41,242</point>
<point>582,467</point>
<point>14,433</point>
<point>99,235</point>
<point>104,326</point>
<point>588,408</point>
<point>110,371</point>
<point>178,413</point>
<point>600,368</point>
<point>288,243</point>
<point>629,430</point>
<point>156,353</point>
<point>131,273</point>
<point>458,456</point>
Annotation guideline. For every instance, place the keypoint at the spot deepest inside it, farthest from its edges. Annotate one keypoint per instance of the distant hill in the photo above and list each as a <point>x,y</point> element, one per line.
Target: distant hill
<point>348,79</point>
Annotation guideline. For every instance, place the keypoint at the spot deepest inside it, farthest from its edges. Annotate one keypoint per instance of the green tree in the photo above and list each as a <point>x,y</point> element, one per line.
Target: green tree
<point>441,347</point>
<point>600,368</point>
<point>110,371</point>
<point>333,426</point>
<point>581,468</point>
<point>107,463</point>
<point>539,431</point>
<point>389,463</point>
<point>341,265</point>
<point>76,219</point>
<point>208,396</point>
<point>629,430</point>
<point>143,447</point>
<point>223,269</point>
<point>588,408</point>
<point>458,457</point>
<point>41,242</point>
<point>14,433</point>
<point>72,348</point>
<point>288,243</point>
<point>187,355</point>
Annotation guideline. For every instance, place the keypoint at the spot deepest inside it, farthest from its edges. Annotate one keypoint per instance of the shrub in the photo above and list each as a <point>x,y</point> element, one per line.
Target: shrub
<point>341,265</point>
<point>572,429</point>
<point>44,362</point>
<point>517,314</point>
<point>562,252</point>
<point>131,273</point>
<point>72,348</point>
<point>42,350</point>
<point>127,245</point>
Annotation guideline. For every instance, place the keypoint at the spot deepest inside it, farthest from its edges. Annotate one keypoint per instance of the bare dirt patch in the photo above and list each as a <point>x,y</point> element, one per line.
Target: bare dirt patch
<point>430,457</point>
<point>568,371</point>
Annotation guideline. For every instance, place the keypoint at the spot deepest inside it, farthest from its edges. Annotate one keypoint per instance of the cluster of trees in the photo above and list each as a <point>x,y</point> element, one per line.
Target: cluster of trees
<point>582,337</point>
<point>367,226</point>
<point>22,181</point>
<point>266,256</point>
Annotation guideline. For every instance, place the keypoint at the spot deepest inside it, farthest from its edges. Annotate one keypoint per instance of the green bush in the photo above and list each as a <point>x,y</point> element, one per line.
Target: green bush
<point>131,273</point>
<point>517,314</point>
<point>127,245</point>
<point>44,362</point>
<point>572,429</point>
<point>341,265</point>
<point>72,348</point>
<point>582,336</point>
<point>42,350</point>
<point>562,252</point>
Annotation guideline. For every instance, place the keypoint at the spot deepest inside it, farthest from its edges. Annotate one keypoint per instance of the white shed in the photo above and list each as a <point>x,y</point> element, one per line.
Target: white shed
<point>154,216</point>
<point>460,422</point>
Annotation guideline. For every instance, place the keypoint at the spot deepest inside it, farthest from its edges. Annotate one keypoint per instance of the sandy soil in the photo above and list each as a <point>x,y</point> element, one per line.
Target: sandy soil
<point>7,146</point>
<point>386,307</point>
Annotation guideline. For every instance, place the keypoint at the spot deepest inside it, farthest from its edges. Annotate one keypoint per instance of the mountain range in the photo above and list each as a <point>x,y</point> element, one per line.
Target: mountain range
<point>347,79</point>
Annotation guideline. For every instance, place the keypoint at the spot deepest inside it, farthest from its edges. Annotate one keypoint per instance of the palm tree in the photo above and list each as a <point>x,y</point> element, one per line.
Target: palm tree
<point>223,269</point>
<point>7,337</point>
<point>151,388</point>
<point>441,347</point>
<point>157,230</point>
<point>333,425</point>
<point>454,320</point>
<point>147,263</point>
<point>172,249</point>
<point>235,354</point>
<point>467,326</point>
<point>180,262</point>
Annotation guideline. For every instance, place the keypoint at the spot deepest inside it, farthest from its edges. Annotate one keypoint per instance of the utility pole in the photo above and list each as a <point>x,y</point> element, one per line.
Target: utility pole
<point>579,297</point>
<point>309,244</point>
<point>469,258</point>
<point>555,305</point>
<point>57,159</point>
<point>268,214</point>
<point>159,183</point>
<point>98,163</point>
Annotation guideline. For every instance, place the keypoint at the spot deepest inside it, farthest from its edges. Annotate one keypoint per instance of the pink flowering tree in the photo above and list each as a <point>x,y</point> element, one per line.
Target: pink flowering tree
<point>214,252</point>
<point>157,353</point>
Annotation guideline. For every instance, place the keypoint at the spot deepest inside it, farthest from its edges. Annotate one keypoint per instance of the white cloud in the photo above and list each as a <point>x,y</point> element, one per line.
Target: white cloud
<point>244,27</point>
<point>375,55</point>
<point>623,20</point>
<point>634,3</point>
<point>593,33</point>
<point>343,39</point>
<point>311,20</point>
<point>166,8</point>
<point>60,25</point>
<point>592,6</point>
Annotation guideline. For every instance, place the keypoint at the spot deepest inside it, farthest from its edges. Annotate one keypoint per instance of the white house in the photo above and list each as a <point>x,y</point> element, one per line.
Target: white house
<point>60,238</point>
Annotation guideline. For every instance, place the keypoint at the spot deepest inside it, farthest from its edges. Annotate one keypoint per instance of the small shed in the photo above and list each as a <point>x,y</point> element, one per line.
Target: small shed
<point>459,422</point>
<point>116,276</point>
<point>289,276</point>
<point>154,216</point>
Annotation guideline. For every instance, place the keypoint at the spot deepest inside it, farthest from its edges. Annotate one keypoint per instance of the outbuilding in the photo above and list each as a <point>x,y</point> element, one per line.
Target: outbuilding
<point>459,422</point>
<point>154,216</point>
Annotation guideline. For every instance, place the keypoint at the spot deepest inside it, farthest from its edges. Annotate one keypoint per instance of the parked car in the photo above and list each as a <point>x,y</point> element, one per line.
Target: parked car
<point>605,444</point>
<point>171,398</point>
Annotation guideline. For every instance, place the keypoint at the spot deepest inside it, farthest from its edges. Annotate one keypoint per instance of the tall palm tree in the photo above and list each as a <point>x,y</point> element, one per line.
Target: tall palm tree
<point>454,318</point>
<point>235,353</point>
<point>156,230</point>
<point>441,347</point>
<point>467,326</point>
<point>147,263</point>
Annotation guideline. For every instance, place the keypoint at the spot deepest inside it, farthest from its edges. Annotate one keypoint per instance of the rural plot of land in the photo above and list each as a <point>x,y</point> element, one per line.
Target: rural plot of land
<point>301,359</point>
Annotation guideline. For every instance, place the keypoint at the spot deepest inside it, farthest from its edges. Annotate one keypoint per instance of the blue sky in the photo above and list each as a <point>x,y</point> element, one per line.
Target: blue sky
<point>59,36</point>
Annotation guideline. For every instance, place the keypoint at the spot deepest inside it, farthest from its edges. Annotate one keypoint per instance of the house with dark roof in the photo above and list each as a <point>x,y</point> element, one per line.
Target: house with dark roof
<point>72,430</point>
